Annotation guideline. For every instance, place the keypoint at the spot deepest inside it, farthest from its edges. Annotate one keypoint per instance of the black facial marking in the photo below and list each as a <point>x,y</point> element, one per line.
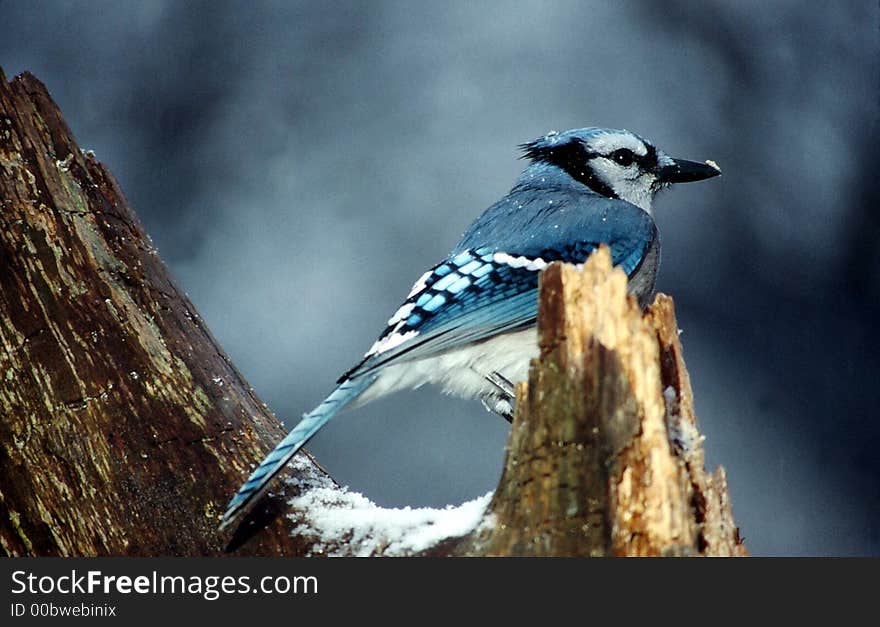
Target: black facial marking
<point>572,157</point>
<point>624,156</point>
<point>648,162</point>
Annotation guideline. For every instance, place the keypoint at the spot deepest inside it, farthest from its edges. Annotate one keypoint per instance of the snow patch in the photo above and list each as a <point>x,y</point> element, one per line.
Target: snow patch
<point>64,165</point>
<point>682,433</point>
<point>337,517</point>
<point>712,164</point>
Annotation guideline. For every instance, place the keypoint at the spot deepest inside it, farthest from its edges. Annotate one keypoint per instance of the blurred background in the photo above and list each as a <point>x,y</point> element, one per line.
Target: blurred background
<point>299,164</point>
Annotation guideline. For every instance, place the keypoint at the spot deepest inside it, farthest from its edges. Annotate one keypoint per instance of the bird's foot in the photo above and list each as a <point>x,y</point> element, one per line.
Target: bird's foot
<point>497,404</point>
<point>504,385</point>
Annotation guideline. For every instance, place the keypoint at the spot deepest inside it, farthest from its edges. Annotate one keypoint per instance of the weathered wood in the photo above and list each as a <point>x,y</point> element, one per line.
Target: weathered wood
<point>604,457</point>
<point>124,428</point>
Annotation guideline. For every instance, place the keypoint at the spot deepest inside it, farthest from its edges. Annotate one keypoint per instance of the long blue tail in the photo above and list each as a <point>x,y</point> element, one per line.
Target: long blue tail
<point>259,480</point>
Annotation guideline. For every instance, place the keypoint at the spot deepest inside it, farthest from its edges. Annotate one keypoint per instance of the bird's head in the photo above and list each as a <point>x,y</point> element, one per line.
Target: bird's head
<point>615,163</point>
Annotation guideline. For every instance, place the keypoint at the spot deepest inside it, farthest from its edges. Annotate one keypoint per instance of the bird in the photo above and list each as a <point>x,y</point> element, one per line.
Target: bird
<point>468,325</point>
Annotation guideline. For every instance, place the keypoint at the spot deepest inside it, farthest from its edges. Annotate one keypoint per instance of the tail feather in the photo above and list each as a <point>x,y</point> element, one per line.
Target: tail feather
<point>310,424</point>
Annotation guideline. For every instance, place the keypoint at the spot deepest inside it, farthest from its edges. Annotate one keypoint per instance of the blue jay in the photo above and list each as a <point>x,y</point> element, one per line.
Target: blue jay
<point>468,324</point>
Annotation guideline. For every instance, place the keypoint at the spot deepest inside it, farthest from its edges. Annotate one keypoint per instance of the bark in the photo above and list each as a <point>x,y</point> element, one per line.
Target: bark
<point>124,428</point>
<point>604,456</point>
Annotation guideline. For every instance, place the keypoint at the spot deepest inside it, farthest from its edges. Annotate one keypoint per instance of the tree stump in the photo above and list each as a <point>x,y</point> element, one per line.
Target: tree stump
<point>604,456</point>
<point>125,429</point>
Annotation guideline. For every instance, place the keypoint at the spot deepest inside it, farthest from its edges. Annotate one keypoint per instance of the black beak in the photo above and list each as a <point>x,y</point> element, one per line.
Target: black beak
<point>682,171</point>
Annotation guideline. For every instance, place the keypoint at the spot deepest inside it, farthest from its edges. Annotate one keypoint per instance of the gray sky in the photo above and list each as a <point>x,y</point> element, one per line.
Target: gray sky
<point>299,164</point>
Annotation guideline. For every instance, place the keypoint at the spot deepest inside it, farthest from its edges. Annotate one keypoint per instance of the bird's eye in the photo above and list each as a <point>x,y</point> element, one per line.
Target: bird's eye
<point>623,156</point>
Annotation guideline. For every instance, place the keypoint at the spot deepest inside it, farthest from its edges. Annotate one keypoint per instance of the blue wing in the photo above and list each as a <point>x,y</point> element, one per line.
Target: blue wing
<point>480,291</point>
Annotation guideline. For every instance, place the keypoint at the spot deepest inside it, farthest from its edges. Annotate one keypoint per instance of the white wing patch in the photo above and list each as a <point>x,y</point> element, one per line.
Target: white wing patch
<point>455,276</point>
<point>401,314</point>
<point>520,262</point>
<point>419,285</point>
<point>391,340</point>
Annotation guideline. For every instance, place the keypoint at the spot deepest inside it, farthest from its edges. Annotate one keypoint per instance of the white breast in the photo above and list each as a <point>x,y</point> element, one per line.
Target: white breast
<point>462,372</point>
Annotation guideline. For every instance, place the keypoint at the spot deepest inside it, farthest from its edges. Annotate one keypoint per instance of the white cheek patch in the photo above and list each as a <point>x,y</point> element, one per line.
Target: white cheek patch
<point>611,171</point>
<point>628,183</point>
